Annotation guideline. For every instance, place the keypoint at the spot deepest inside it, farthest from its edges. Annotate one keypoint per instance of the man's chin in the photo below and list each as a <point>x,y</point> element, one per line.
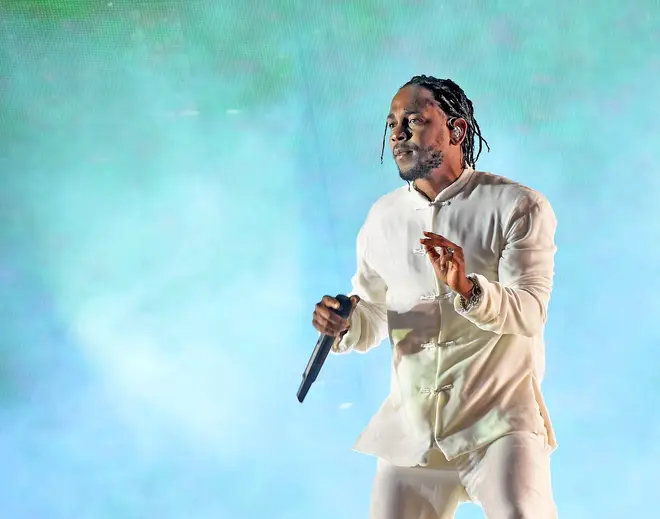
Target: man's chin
<point>406,173</point>
<point>411,174</point>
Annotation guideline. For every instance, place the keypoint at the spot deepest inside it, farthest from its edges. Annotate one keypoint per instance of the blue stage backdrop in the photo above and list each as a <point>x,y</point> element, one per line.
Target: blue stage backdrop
<point>182,180</point>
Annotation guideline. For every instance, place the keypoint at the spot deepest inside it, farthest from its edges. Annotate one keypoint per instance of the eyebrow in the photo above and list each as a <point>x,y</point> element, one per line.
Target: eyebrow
<point>416,109</point>
<point>406,112</point>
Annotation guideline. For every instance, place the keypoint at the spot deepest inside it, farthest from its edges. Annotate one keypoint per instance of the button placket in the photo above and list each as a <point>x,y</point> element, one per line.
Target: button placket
<point>437,297</point>
<point>438,344</point>
<point>444,203</point>
<point>435,204</point>
<point>436,391</point>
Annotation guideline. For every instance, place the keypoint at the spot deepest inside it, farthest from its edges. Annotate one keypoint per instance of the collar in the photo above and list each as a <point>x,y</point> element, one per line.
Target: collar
<point>449,192</point>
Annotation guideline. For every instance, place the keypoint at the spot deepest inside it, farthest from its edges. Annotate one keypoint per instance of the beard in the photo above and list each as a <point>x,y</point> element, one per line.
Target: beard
<point>429,159</point>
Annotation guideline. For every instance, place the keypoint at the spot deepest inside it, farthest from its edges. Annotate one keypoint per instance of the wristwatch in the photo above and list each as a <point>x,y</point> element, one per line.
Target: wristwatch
<point>475,295</point>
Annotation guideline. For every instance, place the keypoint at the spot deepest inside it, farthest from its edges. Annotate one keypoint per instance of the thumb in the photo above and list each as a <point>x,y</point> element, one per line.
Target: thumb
<point>354,301</point>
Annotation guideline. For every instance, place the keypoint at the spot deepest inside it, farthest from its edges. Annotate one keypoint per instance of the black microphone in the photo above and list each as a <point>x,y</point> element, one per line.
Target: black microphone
<point>323,347</point>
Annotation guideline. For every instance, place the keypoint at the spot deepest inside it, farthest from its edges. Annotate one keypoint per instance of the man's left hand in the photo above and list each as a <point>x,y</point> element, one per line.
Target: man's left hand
<point>449,264</point>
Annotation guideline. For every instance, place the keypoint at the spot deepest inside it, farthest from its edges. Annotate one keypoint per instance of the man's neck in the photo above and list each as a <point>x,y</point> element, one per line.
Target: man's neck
<point>439,180</point>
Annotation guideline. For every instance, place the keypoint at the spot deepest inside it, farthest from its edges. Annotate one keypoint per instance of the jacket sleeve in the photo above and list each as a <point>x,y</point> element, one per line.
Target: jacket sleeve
<point>368,323</point>
<point>518,303</point>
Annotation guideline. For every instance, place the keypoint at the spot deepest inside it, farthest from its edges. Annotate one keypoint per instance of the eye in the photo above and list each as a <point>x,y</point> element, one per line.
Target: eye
<point>391,125</point>
<point>415,120</point>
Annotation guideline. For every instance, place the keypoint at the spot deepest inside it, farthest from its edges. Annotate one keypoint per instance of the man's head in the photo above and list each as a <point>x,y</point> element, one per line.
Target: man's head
<point>431,123</point>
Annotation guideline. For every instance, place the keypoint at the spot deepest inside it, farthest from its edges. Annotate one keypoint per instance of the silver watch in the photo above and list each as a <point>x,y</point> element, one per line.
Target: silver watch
<point>474,297</point>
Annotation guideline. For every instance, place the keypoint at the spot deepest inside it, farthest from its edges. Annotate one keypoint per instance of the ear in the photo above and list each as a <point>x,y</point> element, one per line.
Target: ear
<point>458,130</point>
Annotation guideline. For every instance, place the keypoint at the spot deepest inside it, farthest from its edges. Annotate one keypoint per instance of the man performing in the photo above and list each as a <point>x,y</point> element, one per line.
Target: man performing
<point>456,268</point>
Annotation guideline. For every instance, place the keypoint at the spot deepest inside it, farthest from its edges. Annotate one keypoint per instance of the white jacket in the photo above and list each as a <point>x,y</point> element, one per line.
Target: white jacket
<point>459,379</point>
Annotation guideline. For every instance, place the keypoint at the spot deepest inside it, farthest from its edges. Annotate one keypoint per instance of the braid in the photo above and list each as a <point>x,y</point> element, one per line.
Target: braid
<point>454,103</point>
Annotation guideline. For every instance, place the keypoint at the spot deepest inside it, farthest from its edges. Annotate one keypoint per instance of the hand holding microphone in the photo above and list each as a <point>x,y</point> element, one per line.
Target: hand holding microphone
<point>330,318</point>
<point>326,319</point>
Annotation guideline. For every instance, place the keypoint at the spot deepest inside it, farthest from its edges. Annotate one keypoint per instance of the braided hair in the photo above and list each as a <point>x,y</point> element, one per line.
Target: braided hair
<point>454,103</point>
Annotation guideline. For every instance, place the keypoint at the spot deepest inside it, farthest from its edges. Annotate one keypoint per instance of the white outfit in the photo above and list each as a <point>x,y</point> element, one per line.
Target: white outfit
<point>510,479</point>
<point>460,380</point>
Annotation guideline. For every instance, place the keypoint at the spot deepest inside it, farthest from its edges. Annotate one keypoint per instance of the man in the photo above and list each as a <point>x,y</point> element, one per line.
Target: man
<point>456,269</point>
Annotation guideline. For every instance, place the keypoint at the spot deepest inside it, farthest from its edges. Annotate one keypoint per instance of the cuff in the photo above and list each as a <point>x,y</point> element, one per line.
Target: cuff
<point>467,306</point>
<point>347,342</point>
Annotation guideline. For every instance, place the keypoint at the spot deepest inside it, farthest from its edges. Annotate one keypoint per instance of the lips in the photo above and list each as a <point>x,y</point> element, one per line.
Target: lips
<point>402,153</point>
<point>401,148</point>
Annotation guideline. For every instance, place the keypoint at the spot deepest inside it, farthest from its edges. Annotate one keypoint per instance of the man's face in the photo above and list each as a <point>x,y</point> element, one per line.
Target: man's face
<point>419,136</point>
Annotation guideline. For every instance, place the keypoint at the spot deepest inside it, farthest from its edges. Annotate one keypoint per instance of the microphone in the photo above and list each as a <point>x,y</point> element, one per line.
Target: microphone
<point>323,347</point>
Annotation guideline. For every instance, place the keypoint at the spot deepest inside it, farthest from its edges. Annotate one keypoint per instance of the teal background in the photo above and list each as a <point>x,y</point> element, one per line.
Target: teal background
<point>181,181</point>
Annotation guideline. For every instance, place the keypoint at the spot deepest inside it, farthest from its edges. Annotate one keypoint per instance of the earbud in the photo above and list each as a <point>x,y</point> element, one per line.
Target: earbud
<point>456,131</point>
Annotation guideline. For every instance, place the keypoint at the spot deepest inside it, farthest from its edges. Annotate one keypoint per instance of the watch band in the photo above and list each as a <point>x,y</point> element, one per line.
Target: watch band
<point>475,295</point>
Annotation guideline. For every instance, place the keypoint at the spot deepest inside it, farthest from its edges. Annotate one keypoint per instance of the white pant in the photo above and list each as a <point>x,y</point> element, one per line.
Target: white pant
<point>510,479</point>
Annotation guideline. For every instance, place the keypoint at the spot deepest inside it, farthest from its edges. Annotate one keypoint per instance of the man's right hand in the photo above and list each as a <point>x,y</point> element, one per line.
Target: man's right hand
<point>328,322</point>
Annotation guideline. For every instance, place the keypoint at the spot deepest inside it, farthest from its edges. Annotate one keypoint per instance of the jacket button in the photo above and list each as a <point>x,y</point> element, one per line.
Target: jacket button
<point>445,388</point>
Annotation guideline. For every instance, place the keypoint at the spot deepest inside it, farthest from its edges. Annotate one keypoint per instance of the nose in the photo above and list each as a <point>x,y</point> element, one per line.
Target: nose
<point>399,133</point>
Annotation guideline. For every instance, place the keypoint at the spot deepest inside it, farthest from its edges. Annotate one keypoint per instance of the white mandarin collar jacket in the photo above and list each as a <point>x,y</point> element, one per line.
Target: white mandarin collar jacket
<point>460,380</point>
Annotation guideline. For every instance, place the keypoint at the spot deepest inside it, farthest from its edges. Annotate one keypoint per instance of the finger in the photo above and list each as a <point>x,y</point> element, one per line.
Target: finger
<point>440,244</point>
<point>433,235</point>
<point>355,299</point>
<point>329,319</point>
<point>455,256</point>
<point>445,261</point>
<point>330,302</point>
<point>320,327</point>
<point>324,330</point>
<point>328,328</point>
<point>327,314</point>
<point>441,256</point>
<point>437,244</point>
<point>449,252</point>
<point>438,241</point>
<point>438,262</point>
<point>432,252</point>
